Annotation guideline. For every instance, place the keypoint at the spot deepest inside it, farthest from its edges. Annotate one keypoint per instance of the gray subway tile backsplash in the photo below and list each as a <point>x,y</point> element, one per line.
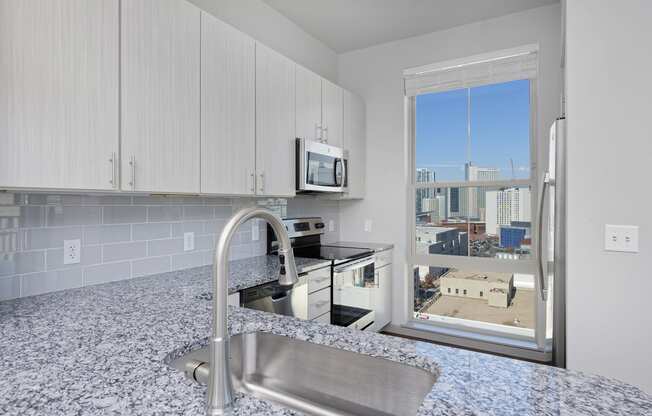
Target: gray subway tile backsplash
<point>109,272</point>
<point>162,213</point>
<point>151,265</point>
<point>57,215</point>
<point>104,234</point>
<point>151,231</point>
<point>121,214</point>
<point>38,283</point>
<point>122,236</point>
<point>124,251</point>
<point>89,255</point>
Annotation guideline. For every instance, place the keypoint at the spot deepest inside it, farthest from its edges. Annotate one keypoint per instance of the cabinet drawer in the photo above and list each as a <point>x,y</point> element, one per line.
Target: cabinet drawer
<point>319,303</point>
<point>319,279</point>
<point>383,258</point>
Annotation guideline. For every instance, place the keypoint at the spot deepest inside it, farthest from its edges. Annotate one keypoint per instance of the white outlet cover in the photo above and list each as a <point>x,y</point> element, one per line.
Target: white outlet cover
<point>622,238</point>
<point>331,226</point>
<point>367,225</point>
<point>188,241</point>
<point>71,251</point>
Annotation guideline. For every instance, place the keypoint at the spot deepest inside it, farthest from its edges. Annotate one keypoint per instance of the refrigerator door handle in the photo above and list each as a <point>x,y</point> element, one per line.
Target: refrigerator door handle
<point>545,183</point>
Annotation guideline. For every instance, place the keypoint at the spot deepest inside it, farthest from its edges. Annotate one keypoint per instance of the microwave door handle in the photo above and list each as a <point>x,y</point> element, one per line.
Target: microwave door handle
<point>343,172</point>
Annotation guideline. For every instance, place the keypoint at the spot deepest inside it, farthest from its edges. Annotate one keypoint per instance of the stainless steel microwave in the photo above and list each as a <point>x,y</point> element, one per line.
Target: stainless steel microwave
<point>320,167</point>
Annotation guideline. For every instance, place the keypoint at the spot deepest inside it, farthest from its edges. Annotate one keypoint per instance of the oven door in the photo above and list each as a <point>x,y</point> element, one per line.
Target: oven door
<point>320,167</point>
<point>355,287</point>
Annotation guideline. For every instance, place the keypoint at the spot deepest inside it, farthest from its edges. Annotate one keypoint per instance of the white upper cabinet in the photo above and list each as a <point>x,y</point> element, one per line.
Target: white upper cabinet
<point>355,134</point>
<point>59,94</point>
<point>275,117</point>
<point>228,97</point>
<point>308,93</point>
<point>331,113</point>
<point>160,52</point>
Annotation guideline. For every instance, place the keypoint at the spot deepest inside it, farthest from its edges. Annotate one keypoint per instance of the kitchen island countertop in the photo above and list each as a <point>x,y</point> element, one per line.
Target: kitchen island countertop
<point>106,349</point>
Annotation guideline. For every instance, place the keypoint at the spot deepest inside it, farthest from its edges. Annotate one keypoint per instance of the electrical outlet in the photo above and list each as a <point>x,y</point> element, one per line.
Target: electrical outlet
<point>71,251</point>
<point>331,226</point>
<point>255,230</point>
<point>622,238</point>
<point>188,241</point>
<point>367,225</point>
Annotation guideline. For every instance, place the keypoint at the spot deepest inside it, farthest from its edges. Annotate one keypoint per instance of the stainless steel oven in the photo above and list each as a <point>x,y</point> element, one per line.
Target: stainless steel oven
<point>320,167</point>
<point>355,285</point>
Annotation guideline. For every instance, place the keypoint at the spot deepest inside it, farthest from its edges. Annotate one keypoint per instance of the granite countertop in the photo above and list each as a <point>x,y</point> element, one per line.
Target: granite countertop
<point>105,350</point>
<point>255,271</point>
<point>377,247</point>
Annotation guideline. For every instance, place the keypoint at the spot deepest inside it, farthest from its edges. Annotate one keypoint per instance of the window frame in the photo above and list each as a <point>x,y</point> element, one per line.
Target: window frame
<point>524,266</point>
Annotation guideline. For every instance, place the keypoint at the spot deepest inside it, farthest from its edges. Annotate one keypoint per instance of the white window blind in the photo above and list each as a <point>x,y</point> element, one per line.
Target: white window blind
<point>493,68</point>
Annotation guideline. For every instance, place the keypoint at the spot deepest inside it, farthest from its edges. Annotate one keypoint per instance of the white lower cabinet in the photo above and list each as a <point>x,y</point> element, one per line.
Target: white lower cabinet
<point>382,298</point>
<point>382,302</point>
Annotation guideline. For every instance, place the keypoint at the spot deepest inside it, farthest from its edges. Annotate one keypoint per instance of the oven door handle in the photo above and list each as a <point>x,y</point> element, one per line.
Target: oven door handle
<point>353,266</point>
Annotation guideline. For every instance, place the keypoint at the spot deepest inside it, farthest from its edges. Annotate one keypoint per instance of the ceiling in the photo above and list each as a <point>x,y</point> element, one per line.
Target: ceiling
<point>346,25</point>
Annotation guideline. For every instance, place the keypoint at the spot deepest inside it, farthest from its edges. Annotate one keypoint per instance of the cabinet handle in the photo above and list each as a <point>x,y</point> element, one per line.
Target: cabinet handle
<point>321,303</point>
<point>325,130</point>
<point>253,182</point>
<point>262,182</point>
<point>132,164</point>
<point>114,176</point>
<point>318,131</point>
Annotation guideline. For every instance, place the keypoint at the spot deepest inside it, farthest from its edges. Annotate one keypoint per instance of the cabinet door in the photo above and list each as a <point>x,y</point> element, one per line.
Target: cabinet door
<point>355,141</point>
<point>59,93</point>
<point>274,123</point>
<point>383,298</point>
<point>332,112</point>
<point>160,95</point>
<point>228,138</point>
<point>308,116</point>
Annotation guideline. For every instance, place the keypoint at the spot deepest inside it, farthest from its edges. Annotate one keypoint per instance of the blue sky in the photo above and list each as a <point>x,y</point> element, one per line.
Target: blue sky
<point>500,130</point>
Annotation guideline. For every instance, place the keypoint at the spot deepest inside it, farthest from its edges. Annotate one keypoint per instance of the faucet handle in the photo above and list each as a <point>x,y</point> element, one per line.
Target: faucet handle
<point>288,272</point>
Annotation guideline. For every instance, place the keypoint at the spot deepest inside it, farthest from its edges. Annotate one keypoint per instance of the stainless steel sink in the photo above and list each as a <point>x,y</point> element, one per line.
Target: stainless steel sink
<point>316,379</point>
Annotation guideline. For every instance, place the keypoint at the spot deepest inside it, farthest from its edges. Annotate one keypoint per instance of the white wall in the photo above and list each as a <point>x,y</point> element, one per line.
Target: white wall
<point>265,24</point>
<point>376,74</point>
<point>609,153</point>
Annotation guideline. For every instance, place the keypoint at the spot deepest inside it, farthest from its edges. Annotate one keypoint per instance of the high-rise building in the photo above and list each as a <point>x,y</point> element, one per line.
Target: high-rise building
<point>435,206</point>
<point>506,206</point>
<point>424,175</point>
<point>477,196</point>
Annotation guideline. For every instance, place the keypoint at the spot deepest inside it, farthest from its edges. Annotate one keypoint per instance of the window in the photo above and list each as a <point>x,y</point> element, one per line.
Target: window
<point>472,192</point>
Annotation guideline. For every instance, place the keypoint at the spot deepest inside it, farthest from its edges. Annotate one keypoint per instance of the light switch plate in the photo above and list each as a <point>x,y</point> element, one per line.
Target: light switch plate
<point>367,225</point>
<point>623,238</point>
<point>331,226</point>
<point>71,251</point>
<point>188,241</point>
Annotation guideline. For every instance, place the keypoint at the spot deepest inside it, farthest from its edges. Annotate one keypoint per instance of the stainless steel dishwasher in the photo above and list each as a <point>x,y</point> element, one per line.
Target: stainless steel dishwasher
<point>283,300</point>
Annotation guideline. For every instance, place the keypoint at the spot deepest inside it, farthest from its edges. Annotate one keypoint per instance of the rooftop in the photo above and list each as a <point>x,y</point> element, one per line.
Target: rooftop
<point>485,276</point>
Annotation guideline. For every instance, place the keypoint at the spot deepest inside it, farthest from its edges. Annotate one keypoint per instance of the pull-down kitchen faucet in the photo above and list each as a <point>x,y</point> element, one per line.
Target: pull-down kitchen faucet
<point>220,390</point>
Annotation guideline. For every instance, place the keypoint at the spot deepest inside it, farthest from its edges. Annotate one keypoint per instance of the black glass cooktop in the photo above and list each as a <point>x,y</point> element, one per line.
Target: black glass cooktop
<point>331,252</point>
<point>342,315</point>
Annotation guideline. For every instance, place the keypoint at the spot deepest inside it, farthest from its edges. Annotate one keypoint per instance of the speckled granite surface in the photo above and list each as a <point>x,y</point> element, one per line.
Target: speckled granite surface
<point>104,350</point>
<point>262,269</point>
